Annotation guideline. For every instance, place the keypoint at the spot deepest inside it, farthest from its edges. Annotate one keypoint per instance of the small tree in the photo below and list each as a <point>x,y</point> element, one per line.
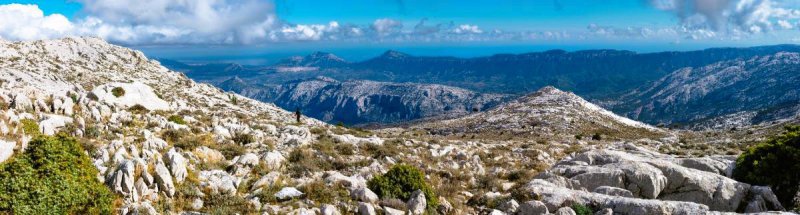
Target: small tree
<point>776,163</point>
<point>400,182</point>
<point>53,176</point>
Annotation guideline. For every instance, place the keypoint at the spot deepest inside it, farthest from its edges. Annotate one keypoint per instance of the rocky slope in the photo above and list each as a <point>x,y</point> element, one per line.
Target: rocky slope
<point>360,102</point>
<point>722,95</point>
<point>547,112</point>
<point>165,144</point>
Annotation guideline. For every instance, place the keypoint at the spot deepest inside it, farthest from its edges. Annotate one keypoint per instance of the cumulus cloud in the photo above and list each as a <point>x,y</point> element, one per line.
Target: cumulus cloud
<point>169,22</point>
<point>385,27</point>
<point>729,16</point>
<point>467,29</point>
<point>28,22</point>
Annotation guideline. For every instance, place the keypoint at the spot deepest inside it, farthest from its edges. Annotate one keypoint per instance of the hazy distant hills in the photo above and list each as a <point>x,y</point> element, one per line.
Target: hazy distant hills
<point>724,94</point>
<point>360,101</point>
<point>625,82</point>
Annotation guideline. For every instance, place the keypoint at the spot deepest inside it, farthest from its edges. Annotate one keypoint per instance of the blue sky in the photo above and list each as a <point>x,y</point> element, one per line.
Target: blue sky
<point>260,31</point>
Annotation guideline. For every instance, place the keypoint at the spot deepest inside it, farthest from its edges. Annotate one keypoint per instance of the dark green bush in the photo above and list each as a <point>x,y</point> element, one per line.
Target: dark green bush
<point>53,176</point>
<point>30,127</point>
<point>138,109</point>
<point>597,136</point>
<point>118,91</point>
<point>177,119</point>
<point>400,182</point>
<point>775,163</point>
<point>243,138</point>
<point>581,209</point>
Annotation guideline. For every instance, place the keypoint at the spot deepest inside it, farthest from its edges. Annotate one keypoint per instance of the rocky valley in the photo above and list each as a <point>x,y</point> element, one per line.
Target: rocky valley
<point>154,141</point>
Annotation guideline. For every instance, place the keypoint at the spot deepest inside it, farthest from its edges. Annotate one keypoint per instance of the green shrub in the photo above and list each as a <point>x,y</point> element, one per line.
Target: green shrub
<point>174,135</point>
<point>231,150</point>
<point>177,119</point>
<point>92,132</point>
<point>243,138</point>
<point>138,109</point>
<point>303,162</point>
<point>322,193</point>
<point>597,136</point>
<point>118,91</point>
<point>400,182</point>
<point>53,176</point>
<point>190,143</point>
<point>30,127</point>
<point>775,163</point>
<point>581,209</point>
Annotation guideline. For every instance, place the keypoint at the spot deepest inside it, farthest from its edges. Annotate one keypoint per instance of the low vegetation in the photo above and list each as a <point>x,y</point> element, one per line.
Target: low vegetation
<point>776,163</point>
<point>30,127</point>
<point>400,182</point>
<point>53,176</point>
<point>118,92</point>
<point>177,119</point>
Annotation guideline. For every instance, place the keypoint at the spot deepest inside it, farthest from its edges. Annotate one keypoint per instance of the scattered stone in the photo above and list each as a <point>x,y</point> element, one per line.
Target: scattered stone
<point>366,209</point>
<point>288,193</point>
<point>364,194</point>
<point>532,208</point>
<point>565,211</point>
<point>510,206</point>
<point>417,203</point>
<point>164,180</point>
<point>327,209</point>
<point>177,165</point>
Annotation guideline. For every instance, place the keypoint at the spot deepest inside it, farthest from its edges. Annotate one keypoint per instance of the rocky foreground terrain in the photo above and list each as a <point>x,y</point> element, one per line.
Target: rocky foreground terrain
<point>164,144</point>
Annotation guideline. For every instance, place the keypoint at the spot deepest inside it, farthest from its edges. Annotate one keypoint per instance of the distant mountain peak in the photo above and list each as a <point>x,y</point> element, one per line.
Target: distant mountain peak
<point>318,55</point>
<point>392,54</point>
<point>315,59</point>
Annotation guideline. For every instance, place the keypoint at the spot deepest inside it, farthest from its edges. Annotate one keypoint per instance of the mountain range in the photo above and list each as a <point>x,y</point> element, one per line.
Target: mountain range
<point>628,83</point>
<point>360,101</point>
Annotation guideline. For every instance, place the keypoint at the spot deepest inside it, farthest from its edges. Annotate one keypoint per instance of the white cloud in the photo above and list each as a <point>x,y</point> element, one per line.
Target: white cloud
<point>785,24</point>
<point>467,29</point>
<point>728,16</point>
<point>385,27</point>
<point>28,22</point>
<point>307,32</point>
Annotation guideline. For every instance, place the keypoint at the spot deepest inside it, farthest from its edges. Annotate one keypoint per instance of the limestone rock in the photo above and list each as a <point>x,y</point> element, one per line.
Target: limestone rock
<point>288,193</point>
<point>532,208</point>
<point>417,203</point>
<point>565,211</point>
<point>510,206</point>
<point>327,209</point>
<point>122,181</point>
<point>366,209</point>
<point>364,194</point>
<point>177,165</point>
<point>219,182</point>
<point>164,179</point>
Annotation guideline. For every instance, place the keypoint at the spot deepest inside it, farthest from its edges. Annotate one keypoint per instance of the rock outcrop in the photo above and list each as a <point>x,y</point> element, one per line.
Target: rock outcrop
<point>637,181</point>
